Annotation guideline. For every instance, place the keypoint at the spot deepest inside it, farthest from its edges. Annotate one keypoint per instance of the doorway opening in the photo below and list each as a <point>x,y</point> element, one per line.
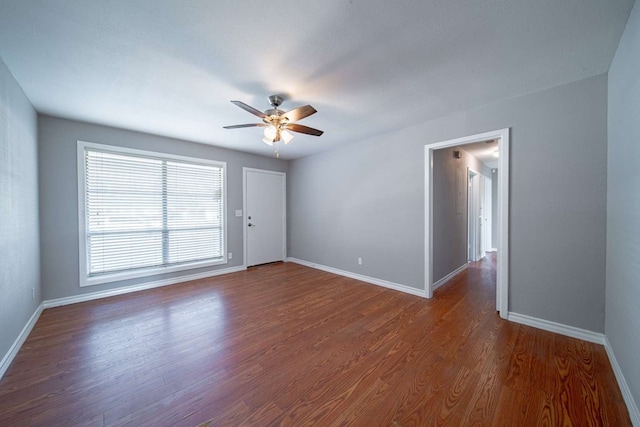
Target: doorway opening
<point>482,219</point>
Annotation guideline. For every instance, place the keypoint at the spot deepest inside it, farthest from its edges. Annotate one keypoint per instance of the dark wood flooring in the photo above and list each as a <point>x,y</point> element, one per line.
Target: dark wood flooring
<point>288,345</point>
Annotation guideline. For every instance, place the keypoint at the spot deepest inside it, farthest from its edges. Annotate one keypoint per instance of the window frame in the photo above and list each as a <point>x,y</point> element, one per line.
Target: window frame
<point>85,279</point>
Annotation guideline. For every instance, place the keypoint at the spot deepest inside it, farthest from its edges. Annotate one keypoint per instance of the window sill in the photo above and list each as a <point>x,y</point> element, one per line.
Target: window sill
<point>155,271</point>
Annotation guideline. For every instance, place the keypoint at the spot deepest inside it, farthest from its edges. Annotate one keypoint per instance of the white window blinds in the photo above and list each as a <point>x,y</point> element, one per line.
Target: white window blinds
<point>148,212</point>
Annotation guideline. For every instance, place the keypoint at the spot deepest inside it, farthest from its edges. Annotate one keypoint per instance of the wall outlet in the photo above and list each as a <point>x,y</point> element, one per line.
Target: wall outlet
<point>229,255</point>
<point>359,261</point>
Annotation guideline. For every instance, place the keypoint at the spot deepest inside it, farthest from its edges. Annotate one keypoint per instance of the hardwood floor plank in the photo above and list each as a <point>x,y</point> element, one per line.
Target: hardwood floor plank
<point>230,416</point>
<point>284,344</point>
<point>518,408</point>
<point>482,405</point>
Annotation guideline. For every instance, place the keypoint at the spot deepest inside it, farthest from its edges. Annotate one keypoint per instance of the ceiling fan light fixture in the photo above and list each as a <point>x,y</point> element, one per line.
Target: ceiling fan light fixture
<point>270,133</point>
<point>286,136</point>
<point>278,125</point>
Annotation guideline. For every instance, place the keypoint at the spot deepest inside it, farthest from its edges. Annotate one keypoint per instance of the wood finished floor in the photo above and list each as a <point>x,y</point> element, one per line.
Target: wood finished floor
<point>288,345</point>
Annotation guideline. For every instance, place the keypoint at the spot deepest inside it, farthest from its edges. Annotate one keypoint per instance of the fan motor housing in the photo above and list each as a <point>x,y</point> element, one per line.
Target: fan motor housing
<point>274,112</point>
<point>275,100</point>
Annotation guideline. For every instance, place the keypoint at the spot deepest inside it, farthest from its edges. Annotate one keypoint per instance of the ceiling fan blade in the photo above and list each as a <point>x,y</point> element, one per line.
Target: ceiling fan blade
<point>304,129</point>
<point>299,113</point>
<point>250,125</point>
<point>250,109</point>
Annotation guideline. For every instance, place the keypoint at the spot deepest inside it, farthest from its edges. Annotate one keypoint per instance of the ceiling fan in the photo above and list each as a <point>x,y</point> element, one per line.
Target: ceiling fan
<point>277,124</point>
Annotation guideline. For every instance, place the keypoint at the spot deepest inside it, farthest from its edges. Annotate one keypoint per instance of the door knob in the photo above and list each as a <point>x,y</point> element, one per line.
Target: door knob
<point>251,225</point>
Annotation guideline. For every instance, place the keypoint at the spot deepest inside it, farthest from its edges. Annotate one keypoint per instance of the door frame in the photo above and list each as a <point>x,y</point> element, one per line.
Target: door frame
<point>502,267</point>
<point>487,215</point>
<point>245,221</point>
<point>473,209</point>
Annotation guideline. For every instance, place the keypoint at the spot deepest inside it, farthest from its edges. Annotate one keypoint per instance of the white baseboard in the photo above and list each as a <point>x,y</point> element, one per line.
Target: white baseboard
<point>372,280</point>
<point>141,287</point>
<point>449,276</point>
<point>13,350</point>
<point>558,328</point>
<point>632,407</point>
<point>590,336</point>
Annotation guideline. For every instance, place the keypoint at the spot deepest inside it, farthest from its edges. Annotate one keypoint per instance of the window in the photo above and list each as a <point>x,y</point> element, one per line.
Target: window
<point>144,213</point>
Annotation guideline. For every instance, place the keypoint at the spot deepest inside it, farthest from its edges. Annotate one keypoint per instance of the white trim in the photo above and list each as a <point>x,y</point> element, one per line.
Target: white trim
<point>487,215</point>
<point>153,271</point>
<point>428,222</point>
<point>141,287</point>
<point>84,279</point>
<point>245,221</point>
<point>594,337</point>
<point>244,216</point>
<point>502,267</point>
<point>558,328</point>
<point>502,264</point>
<point>472,190</point>
<point>147,153</point>
<point>13,350</point>
<point>632,407</point>
<point>384,283</point>
<point>449,276</point>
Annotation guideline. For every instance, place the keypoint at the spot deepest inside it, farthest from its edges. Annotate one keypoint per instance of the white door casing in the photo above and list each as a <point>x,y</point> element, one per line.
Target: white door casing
<point>486,216</point>
<point>480,216</point>
<point>475,231</point>
<point>472,215</point>
<point>264,216</point>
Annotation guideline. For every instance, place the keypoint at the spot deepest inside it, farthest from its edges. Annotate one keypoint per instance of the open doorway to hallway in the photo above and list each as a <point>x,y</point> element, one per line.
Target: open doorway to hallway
<point>466,208</point>
<point>461,207</point>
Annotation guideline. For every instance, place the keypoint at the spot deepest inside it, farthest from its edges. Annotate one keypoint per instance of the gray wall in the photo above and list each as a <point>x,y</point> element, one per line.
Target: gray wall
<point>623,206</point>
<point>59,198</point>
<point>494,209</point>
<point>449,221</point>
<point>367,199</point>
<point>19,235</point>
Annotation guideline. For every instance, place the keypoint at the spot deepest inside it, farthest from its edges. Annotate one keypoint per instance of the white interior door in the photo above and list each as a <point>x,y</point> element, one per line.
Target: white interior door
<point>486,216</point>
<point>472,215</point>
<point>265,219</point>
<point>480,218</point>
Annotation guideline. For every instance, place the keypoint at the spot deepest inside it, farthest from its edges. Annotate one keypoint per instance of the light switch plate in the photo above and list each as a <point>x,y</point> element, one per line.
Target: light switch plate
<point>238,212</point>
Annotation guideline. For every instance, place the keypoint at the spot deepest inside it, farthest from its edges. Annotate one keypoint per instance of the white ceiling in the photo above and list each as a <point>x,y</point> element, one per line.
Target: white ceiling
<point>368,67</point>
<point>483,151</point>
